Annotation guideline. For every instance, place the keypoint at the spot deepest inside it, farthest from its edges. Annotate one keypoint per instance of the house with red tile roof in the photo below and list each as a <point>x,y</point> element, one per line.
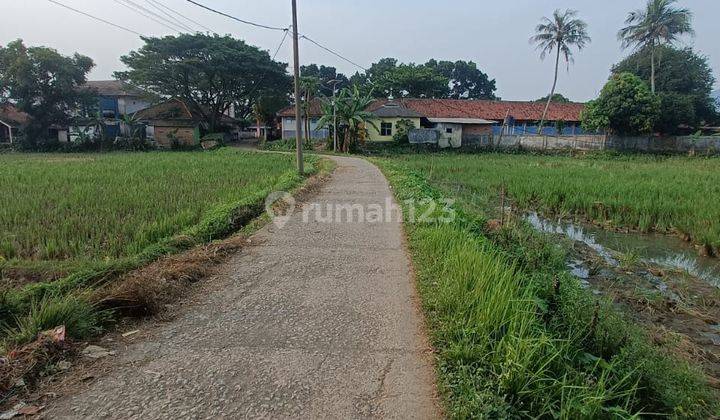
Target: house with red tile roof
<point>314,112</point>
<point>459,120</point>
<point>12,120</point>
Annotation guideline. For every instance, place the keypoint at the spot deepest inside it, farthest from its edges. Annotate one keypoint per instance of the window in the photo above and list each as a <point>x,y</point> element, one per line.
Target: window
<point>386,129</point>
<point>448,130</point>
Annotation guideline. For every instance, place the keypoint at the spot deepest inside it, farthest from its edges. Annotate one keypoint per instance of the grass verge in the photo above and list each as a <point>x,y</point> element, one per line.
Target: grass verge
<point>517,336</point>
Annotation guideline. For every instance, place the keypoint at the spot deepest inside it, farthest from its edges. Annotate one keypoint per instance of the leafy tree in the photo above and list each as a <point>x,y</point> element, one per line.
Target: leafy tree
<point>266,107</point>
<point>626,106</point>
<point>434,79</point>
<point>559,34</point>
<point>325,74</point>
<point>402,131</point>
<point>387,77</point>
<point>680,72</point>
<point>44,84</point>
<point>466,80</point>
<point>557,98</point>
<point>658,24</point>
<point>209,72</point>
<point>351,116</point>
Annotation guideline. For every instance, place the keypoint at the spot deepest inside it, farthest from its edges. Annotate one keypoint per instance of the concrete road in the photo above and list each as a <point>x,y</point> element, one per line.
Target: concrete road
<point>318,320</point>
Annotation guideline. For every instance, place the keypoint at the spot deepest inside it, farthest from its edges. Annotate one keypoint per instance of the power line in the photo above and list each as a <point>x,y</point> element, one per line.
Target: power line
<point>96,18</point>
<point>171,17</point>
<point>247,22</point>
<point>181,15</point>
<point>333,52</point>
<point>144,12</point>
<point>287,31</point>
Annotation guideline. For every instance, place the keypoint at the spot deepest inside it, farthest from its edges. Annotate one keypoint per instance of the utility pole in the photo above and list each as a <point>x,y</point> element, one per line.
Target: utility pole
<point>334,104</point>
<point>298,123</point>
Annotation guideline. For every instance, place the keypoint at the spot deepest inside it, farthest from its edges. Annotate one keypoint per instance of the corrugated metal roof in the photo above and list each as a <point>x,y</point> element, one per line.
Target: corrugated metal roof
<point>113,88</point>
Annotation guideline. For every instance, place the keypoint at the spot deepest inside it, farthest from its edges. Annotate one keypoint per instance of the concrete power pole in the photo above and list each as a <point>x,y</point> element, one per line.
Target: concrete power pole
<point>298,123</point>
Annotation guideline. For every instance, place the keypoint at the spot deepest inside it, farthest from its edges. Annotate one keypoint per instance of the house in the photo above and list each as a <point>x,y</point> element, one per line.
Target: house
<point>456,121</point>
<point>174,123</point>
<point>388,114</point>
<point>12,121</point>
<point>466,121</point>
<point>314,112</point>
<point>117,98</point>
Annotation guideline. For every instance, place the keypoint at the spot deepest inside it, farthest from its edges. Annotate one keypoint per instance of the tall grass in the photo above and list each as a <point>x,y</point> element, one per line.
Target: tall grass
<point>517,336</point>
<point>163,203</point>
<point>109,206</point>
<point>641,192</point>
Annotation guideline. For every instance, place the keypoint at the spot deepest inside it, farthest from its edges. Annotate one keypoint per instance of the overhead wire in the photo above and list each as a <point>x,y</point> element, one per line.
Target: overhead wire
<point>170,17</point>
<point>97,18</point>
<point>175,12</point>
<point>129,4</point>
<point>247,22</point>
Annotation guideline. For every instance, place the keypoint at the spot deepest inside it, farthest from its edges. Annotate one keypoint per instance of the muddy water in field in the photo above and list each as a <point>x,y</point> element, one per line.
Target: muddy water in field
<point>659,280</point>
<point>662,250</point>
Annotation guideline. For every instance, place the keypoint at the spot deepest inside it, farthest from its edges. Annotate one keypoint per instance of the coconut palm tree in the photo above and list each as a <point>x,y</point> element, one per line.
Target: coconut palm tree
<point>559,34</point>
<point>351,116</point>
<point>658,24</point>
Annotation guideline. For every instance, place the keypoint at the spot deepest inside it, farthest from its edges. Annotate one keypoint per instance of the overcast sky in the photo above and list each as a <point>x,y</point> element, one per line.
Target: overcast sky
<point>494,34</point>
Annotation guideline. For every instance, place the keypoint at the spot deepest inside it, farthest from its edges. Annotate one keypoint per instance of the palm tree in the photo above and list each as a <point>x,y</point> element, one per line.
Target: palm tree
<point>658,24</point>
<point>559,34</point>
<point>309,86</point>
<point>351,115</point>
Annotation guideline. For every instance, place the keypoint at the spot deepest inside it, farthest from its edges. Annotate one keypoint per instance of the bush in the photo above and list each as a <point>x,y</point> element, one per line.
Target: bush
<point>626,106</point>
<point>402,130</point>
<point>74,312</point>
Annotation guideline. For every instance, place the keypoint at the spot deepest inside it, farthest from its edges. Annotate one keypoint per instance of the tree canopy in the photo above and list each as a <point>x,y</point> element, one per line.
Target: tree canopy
<point>325,74</point>
<point>434,79</point>
<point>44,84</point>
<point>466,80</point>
<point>557,98</point>
<point>209,72</point>
<point>684,82</point>
<point>626,106</point>
<point>659,23</point>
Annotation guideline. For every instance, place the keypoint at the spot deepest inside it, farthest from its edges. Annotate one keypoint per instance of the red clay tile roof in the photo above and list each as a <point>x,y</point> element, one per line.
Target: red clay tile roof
<point>464,108</point>
<point>11,115</point>
<point>493,110</point>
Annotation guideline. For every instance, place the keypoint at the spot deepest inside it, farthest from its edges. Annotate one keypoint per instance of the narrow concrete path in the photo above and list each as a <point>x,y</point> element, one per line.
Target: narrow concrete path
<point>319,320</point>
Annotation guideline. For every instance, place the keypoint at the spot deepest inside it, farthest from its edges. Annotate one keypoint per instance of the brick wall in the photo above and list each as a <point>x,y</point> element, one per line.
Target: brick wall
<point>185,136</point>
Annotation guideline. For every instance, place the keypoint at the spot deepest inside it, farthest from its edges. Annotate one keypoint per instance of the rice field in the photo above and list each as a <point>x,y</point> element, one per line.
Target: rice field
<point>101,207</point>
<point>666,194</point>
<point>515,335</point>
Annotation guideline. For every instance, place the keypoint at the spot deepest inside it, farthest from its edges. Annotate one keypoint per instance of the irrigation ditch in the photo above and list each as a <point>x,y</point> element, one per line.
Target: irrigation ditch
<point>659,280</point>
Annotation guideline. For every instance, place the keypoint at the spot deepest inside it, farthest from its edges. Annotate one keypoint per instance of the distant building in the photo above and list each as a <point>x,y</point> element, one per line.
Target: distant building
<point>117,98</point>
<point>12,121</point>
<point>314,112</point>
<point>174,123</point>
<point>456,120</point>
